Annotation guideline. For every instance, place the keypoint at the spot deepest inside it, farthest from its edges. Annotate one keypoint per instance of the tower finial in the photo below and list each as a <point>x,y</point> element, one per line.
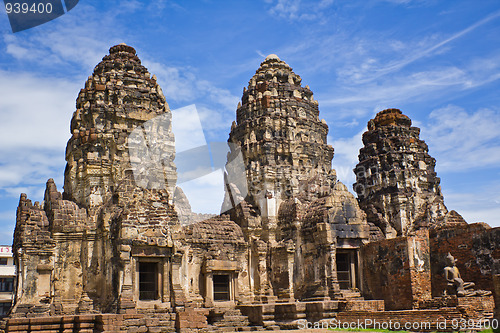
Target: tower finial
<point>272,57</point>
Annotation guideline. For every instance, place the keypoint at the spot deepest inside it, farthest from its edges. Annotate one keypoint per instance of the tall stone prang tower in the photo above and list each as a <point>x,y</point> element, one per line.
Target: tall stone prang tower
<point>396,182</point>
<point>295,214</point>
<point>85,250</point>
<point>282,139</point>
<point>121,123</point>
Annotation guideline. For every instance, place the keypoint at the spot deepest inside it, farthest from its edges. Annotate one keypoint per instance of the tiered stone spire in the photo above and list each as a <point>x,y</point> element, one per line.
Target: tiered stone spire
<point>118,185</point>
<point>119,97</point>
<point>396,182</point>
<point>282,139</point>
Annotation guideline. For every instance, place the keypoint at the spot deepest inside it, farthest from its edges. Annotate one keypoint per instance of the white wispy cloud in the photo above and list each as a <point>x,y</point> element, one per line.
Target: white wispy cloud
<point>346,157</point>
<point>215,106</point>
<point>285,8</point>
<point>35,111</point>
<point>177,83</point>
<point>462,140</point>
<point>8,222</point>
<point>26,167</point>
<point>370,68</point>
<point>433,48</point>
<point>426,84</point>
<point>216,120</point>
<point>205,194</point>
<point>482,204</point>
<point>187,128</point>
<point>77,42</point>
<point>298,10</point>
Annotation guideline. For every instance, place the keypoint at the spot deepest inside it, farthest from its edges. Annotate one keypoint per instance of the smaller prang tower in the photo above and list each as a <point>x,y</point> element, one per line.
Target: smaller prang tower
<point>396,183</point>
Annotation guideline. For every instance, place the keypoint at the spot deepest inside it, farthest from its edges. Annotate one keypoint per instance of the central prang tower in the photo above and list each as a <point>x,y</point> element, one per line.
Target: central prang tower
<point>282,139</point>
<point>292,210</point>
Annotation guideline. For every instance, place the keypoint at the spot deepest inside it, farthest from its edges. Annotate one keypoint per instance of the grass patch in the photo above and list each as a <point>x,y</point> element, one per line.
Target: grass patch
<point>490,330</point>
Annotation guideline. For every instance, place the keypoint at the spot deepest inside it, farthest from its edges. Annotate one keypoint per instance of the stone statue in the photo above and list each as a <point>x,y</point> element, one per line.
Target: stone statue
<point>457,286</point>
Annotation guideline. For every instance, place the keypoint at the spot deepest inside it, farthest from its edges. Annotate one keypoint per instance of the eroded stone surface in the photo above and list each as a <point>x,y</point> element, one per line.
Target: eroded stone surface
<point>120,97</point>
<point>280,135</point>
<point>396,183</point>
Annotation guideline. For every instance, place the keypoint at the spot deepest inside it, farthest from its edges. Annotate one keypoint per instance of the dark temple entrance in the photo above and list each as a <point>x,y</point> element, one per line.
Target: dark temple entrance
<point>347,269</point>
<point>148,281</point>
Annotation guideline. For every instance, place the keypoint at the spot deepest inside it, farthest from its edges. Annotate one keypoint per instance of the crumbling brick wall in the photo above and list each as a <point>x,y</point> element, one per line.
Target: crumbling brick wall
<point>398,271</point>
<point>476,248</point>
<point>496,284</point>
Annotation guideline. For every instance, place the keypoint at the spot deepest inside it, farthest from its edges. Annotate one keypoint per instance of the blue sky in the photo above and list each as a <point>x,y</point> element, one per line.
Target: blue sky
<point>437,61</point>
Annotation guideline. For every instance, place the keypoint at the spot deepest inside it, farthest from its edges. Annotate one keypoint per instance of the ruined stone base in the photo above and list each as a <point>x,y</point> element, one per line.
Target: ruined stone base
<point>474,306</point>
<point>477,306</point>
<point>289,315</point>
<point>105,323</point>
<point>259,317</point>
<point>191,320</point>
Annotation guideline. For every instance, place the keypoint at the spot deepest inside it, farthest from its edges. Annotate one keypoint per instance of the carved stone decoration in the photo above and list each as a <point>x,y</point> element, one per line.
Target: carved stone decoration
<point>120,98</point>
<point>269,122</point>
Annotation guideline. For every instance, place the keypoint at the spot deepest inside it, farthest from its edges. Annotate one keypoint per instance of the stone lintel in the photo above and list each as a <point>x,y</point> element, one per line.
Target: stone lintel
<point>220,265</point>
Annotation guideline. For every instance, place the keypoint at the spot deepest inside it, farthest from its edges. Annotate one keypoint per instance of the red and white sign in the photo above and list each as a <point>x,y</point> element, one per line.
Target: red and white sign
<point>5,249</point>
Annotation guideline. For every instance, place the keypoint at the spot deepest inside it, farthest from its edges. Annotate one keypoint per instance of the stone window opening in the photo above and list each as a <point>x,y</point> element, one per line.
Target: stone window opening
<point>222,287</point>
<point>148,281</point>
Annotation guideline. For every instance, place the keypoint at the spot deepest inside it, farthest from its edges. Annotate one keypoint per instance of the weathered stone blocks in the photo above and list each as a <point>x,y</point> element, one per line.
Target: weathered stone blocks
<point>396,183</point>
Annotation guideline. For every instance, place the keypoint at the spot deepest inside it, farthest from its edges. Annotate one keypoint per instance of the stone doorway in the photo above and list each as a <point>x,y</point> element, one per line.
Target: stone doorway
<point>148,281</point>
<point>347,269</point>
<point>222,287</point>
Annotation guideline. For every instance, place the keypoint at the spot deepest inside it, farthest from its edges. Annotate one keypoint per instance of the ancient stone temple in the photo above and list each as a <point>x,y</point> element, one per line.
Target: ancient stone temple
<point>119,250</point>
<point>396,182</point>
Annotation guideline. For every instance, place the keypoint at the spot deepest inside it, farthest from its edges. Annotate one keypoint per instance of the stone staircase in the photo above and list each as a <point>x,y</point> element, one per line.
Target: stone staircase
<point>352,295</point>
<point>352,300</point>
<point>229,320</point>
